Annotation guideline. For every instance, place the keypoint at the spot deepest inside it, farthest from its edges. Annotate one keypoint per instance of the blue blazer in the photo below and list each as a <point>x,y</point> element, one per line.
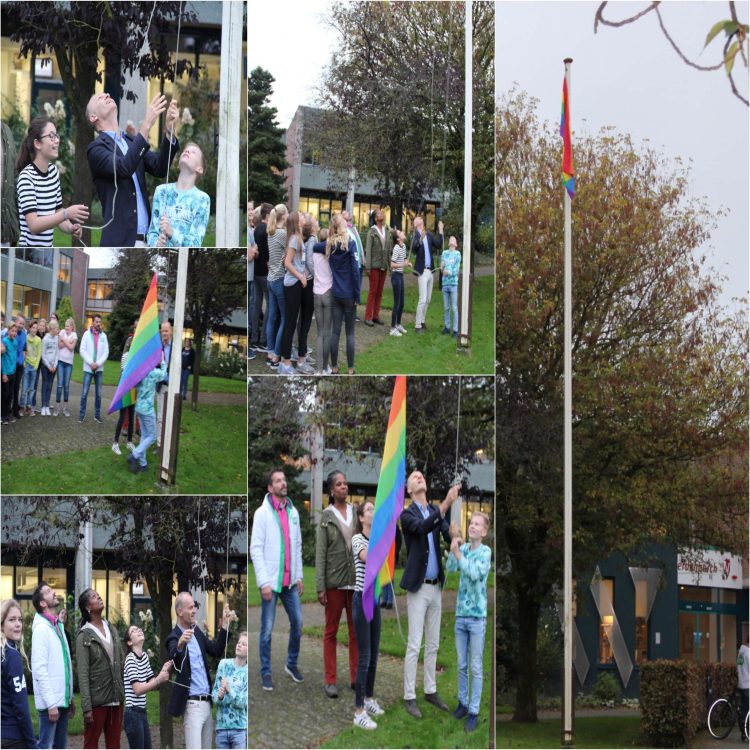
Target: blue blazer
<point>181,689</point>
<point>140,159</point>
<point>436,245</point>
<point>416,529</point>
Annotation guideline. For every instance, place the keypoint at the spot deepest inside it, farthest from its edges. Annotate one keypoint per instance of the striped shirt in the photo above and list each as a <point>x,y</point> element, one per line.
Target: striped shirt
<point>276,252</point>
<point>136,670</point>
<point>359,542</point>
<point>398,256</point>
<point>38,193</point>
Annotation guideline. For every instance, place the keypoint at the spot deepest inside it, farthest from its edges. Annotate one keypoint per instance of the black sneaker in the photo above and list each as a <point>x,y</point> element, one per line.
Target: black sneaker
<point>294,673</point>
<point>267,682</point>
<point>460,711</point>
<point>98,420</point>
<point>471,723</point>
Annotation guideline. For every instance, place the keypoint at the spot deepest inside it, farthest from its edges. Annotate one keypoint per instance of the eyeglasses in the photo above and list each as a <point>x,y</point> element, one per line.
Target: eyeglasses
<point>54,137</point>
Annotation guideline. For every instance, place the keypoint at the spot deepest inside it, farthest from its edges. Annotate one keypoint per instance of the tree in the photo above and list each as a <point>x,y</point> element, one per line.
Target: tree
<point>660,369</point>
<point>266,152</point>
<point>81,35</point>
<point>65,311</point>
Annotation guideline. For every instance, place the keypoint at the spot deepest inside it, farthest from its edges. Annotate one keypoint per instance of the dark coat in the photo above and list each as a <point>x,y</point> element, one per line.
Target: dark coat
<point>436,245</point>
<point>139,160</point>
<point>415,530</point>
<point>181,659</point>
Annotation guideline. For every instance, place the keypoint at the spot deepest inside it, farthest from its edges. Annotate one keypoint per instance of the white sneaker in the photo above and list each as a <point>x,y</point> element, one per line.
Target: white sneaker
<point>372,707</point>
<point>401,328</point>
<point>130,447</point>
<point>395,332</point>
<point>116,449</point>
<point>363,721</point>
<point>66,413</point>
<point>45,411</point>
<point>56,413</point>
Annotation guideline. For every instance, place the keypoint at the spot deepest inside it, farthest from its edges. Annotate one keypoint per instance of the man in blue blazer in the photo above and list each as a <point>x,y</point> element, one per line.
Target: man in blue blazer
<point>422,524</point>
<point>120,160</point>
<point>191,695</point>
<point>427,247</point>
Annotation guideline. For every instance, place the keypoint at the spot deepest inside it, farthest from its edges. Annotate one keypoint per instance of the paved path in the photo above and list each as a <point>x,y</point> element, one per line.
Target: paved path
<point>46,436</point>
<point>732,742</point>
<point>76,741</point>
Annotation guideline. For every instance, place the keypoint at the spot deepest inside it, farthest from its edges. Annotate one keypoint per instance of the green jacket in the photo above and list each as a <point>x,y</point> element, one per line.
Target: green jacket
<point>334,561</point>
<point>377,254</point>
<point>100,680</point>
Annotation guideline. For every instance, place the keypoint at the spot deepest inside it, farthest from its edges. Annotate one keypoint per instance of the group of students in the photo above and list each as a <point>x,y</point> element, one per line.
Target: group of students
<point>114,677</point>
<point>301,271</point>
<point>118,161</point>
<point>342,544</point>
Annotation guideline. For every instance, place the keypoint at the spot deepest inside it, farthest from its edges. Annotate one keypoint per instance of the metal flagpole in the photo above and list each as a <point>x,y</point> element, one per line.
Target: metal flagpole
<point>464,333</point>
<point>568,466</point>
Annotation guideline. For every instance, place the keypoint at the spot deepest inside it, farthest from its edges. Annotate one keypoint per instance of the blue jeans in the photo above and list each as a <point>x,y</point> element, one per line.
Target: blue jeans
<point>290,600</point>
<point>368,646</point>
<point>450,303</point>
<point>148,436</point>
<point>276,309</point>
<point>64,371</point>
<point>231,738</point>
<point>136,727</point>
<point>184,375</point>
<point>53,733</point>
<point>28,385</point>
<point>97,378</point>
<point>386,594</point>
<point>469,649</point>
<point>48,378</point>
<point>36,383</point>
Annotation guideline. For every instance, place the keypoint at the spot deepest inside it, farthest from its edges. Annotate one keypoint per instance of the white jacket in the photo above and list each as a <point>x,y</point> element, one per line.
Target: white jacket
<point>266,546</point>
<point>49,656</point>
<point>87,350</point>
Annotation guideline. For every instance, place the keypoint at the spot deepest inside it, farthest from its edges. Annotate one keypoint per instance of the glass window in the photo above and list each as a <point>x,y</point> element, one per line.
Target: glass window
<point>119,598</point>
<point>99,584</point>
<point>728,646</point>
<point>695,594</point>
<point>56,579</point>
<point>6,582</point>
<point>27,579</point>
<point>606,653</point>
<point>66,265</point>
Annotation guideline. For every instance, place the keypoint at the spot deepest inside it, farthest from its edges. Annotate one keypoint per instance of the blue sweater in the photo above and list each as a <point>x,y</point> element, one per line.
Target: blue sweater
<point>16,720</point>
<point>344,270</point>
<point>9,357</point>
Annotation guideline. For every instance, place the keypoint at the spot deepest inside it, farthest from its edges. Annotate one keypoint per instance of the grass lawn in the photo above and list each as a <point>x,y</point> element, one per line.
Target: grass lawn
<point>590,732</point>
<point>434,353</point>
<point>207,464</point>
<point>441,729</point>
<point>208,383</point>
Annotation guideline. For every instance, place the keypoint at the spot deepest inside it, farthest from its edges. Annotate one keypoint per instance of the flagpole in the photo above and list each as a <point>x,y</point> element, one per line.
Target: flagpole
<point>568,467</point>
<point>464,334</point>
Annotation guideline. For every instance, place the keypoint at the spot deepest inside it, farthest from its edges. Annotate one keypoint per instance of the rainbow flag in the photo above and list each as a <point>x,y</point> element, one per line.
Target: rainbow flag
<point>389,502</point>
<point>568,179</point>
<point>145,352</point>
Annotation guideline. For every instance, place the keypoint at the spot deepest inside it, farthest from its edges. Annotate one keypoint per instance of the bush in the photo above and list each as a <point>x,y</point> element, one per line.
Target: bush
<point>723,680</point>
<point>606,690</point>
<point>673,699</point>
<point>225,365</point>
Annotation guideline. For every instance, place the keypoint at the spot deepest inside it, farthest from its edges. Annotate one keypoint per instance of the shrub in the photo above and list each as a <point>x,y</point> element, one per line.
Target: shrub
<point>224,364</point>
<point>672,701</point>
<point>606,690</point>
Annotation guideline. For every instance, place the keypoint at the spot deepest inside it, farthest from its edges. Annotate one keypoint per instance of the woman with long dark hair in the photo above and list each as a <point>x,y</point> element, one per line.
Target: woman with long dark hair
<point>100,674</point>
<point>127,412</point>
<point>40,207</point>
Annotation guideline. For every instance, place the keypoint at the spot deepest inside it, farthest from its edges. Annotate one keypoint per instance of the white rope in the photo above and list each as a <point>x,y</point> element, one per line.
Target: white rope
<point>174,87</point>
<point>458,426</point>
<point>226,595</point>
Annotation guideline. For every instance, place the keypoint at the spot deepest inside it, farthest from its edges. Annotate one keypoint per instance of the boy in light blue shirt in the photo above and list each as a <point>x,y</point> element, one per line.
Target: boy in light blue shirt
<point>144,410</point>
<point>450,265</point>
<point>230,698</point>
<point>473,559</point>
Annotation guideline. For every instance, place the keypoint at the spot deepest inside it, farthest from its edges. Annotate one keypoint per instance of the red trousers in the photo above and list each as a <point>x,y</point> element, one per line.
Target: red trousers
<point>109,719</point>
<point>336,601</point>
<point>375,295</point>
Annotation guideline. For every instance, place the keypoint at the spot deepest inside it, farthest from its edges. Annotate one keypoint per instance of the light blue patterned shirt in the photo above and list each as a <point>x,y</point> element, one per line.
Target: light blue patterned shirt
<point>231,710</point>
<point>187,211</point>
<point>146,389</point>
<point>451,262</point>
<point>472,587</point>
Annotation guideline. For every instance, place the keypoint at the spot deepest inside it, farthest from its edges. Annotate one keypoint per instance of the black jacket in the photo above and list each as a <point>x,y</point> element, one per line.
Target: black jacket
<point>139,160</point>
<point>415,530</point>
<point>436,245</point>
<point>261,240</point>
<point>181,659</point>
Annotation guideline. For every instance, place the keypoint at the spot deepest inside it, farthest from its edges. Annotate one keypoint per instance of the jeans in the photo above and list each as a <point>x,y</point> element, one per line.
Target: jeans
<point>342,309</point>
<point>276,314</point>
<point>290,600</point>
<point>64,371</point>
<point>48,378</point>
<point>368,641</point>
<point>17,389</point>
<point>148,435</point>
<point>469,649</point>
<point>184,375</point>
<point>129,412</point>
<point>87,378</point>
<point>53,733</point>
<point>36,384</point>
<point>136,727</point>
<point>229,738</point>
<point>386,594</point>
<point>450,304</point>
<point>424,282</point>
<point>322,303</point>
<point>258,333</point>
<point>397,282</point>
<point>298,302</point>
<point>28,385</point>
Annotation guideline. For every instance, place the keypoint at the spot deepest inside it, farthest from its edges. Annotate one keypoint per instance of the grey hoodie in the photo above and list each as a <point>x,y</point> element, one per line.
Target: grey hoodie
<point>50,350</point>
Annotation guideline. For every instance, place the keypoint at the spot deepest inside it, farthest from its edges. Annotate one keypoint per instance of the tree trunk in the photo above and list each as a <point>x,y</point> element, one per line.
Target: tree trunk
<point>198,344</point>
<point>528,620</point>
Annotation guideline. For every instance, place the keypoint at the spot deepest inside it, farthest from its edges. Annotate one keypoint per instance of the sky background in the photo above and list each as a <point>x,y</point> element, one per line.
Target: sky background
<point>631,78</point>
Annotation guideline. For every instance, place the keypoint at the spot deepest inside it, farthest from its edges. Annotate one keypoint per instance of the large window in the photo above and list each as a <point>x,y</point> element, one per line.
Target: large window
<point>30,302</point>
<point>606,623</point>
<point>99,290</point>
<point>66,265</point>
<point>321,208</point>
<point>37,256</point>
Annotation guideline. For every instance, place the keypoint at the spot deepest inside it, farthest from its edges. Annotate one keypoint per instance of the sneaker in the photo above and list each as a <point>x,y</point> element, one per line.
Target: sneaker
<point>132,463</point>
<point>81,420</point>
<point>272,362</point>
<point>294,673</point>
<point>267,682</point>
<point>363,721</point>
<point>116,449</point>
<point>66,413</point>
<point>308,358</point>
<point>326,371</point>
<point>130,447</point>
<point>372,707</point>
<point>395,332</point>
<point>286,369</point>
<point>401,328</point>
<point>45,411</point>
<point>460,711</point>
<point>250,354</point>
<point>471,723</point>
<point>419,330</point>
<point>98,420</point>
<point>378,321</point>
<point>306,368</point>
<point>6,421</point>
<point>56,412</point>
<point>30,413</point>
<point>369,323</point>
<point>445,330</point>
<point>260,348</point>
<point>331,690</point>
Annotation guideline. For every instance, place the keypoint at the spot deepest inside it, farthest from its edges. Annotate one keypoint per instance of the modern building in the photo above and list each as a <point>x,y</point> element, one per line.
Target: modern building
<point>323,192</point>
<point>690,604</point>
<point>99,283</point>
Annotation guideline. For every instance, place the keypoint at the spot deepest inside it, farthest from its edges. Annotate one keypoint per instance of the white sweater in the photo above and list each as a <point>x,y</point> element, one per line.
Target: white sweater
<point>87,350</point>
<point>266,546</point>
<point>48,658</point>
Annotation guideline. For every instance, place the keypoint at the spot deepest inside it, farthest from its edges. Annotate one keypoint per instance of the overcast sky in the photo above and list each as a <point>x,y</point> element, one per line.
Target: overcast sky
<point>101,257</point>
<point>631,78</point>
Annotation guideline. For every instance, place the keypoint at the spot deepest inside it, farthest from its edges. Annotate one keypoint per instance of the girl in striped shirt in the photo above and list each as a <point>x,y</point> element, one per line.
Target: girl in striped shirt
<point>40,207</point>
